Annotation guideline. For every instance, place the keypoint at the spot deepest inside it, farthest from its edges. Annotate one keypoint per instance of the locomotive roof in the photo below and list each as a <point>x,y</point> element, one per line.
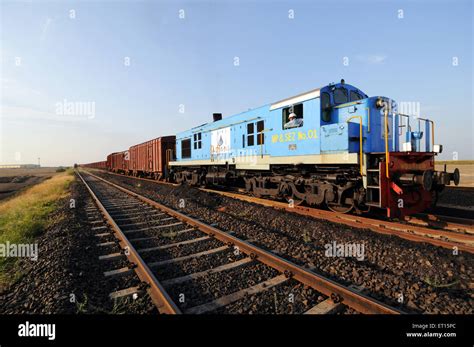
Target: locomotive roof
<point>311,94</point>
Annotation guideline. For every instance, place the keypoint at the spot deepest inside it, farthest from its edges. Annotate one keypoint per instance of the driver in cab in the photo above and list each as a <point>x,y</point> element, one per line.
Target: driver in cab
<point>293,122</point>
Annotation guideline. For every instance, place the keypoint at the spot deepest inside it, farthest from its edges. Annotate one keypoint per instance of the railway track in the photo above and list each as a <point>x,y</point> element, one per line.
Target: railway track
<point>469,189</point>
<point>444,231</point>
<point>449,223</point>
<point>457,236</point>
<point>192,267</point>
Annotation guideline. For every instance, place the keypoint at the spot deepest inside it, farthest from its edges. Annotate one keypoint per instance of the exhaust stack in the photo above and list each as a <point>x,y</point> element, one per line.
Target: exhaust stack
<point>216,116</point>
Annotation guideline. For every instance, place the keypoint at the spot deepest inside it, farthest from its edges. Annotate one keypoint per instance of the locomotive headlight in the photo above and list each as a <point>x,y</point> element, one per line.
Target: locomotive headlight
<point>383,105</point>
<point>379,103</point>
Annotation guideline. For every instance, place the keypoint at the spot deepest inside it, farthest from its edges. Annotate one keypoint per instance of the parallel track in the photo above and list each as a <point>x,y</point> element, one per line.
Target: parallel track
<point>463,241</point>
<point>443,231</point>
<point>115,201</point>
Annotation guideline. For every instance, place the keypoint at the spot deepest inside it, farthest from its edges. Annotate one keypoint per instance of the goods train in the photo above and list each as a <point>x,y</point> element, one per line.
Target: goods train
<point>332,146</point>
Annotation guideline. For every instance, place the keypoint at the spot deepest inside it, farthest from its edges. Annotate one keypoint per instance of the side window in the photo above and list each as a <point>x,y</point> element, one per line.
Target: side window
<point>197,141</point>
<point>355,96</point>
<point>260,134</point>
<point>340,96</point>
<point>325,107</point>
<point>250,134</point>
<point>186,148</point>
<point>295,112</point>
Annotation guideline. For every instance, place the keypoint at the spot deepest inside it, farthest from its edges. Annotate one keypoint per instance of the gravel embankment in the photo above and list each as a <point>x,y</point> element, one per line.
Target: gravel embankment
<point>68,268</point>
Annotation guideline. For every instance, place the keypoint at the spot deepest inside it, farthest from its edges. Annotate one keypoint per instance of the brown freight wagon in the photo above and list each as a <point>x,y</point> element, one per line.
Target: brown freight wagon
<point>109,162</point>
<point>118,162</point>
<point>150,158</point>
<point>96,165</point>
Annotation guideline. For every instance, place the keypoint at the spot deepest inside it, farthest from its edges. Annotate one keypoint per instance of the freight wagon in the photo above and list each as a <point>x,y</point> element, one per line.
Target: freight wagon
<point>118,162</point>
<point>151,158</point>
<point>97,165</point>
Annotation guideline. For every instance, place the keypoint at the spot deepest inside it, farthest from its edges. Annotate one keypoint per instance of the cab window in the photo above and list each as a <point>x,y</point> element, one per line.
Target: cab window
<point>340,96</point>
<point>260,134</point>
<point>355,96</point>
<point>197,141</point>
<point>325,107</point>
<point>186,148</point>
<point>294,122</point>
<point>250,134</point>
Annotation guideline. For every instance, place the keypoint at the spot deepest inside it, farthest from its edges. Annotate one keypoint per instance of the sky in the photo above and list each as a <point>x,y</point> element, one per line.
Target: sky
<point>82,79</point>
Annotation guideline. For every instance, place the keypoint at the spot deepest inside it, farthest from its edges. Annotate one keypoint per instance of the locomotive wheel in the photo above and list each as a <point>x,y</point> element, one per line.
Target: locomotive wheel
<point>340,208</point>
<point>253,188</point>
<point>345,207</point>
<point>292,195</point>
<point>249,185</point>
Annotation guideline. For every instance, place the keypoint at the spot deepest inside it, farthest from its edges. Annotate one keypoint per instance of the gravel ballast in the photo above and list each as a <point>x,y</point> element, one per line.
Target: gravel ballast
<point>413,276</point>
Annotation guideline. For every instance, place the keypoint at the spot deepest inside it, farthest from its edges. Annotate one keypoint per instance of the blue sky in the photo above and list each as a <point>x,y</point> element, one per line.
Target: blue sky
<point>48,57</point>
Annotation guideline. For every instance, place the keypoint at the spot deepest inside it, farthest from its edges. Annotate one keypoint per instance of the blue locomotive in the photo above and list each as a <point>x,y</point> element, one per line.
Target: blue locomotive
<point>332,145</point>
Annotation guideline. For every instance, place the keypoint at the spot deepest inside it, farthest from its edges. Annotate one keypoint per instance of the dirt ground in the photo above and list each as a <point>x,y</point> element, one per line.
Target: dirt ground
<point>467,173</point>
<point>15,180</point>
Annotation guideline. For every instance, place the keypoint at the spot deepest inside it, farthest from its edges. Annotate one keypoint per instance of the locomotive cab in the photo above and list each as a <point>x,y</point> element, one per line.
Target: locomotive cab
<point>396,152</point>
<point>335,95</point>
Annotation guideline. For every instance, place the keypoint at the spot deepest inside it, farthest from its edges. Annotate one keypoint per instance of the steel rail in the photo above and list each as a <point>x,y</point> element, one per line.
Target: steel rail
<point>158,294</point>
<point>444,222</point>
<point>339,293</point>
<point>459,187</point>
<point>463,242</point>
<point>415,233</point>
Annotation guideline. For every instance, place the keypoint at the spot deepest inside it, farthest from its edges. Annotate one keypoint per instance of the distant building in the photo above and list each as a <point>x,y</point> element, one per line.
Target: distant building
<point>19,166</point>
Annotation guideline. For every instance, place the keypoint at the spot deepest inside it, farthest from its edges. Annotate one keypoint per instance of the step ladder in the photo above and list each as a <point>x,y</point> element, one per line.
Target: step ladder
<point>373,197</point>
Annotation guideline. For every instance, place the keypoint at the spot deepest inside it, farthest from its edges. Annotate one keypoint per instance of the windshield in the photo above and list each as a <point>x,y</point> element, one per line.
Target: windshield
<point>340,96</point>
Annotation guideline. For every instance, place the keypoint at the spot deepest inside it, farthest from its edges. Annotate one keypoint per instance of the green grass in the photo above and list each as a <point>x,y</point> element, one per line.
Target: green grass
<point>27,215</point>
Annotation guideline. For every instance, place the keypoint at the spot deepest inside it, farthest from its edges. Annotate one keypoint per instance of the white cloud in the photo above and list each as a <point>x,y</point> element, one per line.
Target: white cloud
<point>12,90</point>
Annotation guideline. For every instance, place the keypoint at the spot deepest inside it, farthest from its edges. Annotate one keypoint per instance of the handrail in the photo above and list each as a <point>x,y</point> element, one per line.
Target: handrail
<point>368,119</point>
<point>262,134</point>
<point>360,141</point>
<point>432,128</point>
<point>403,125</point>
<point>387,156</point>
<point>347,104</point>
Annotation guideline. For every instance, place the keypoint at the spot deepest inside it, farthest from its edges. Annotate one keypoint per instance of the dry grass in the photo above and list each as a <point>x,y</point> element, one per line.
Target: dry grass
<point>27,215</point>
<point>455,162</point>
